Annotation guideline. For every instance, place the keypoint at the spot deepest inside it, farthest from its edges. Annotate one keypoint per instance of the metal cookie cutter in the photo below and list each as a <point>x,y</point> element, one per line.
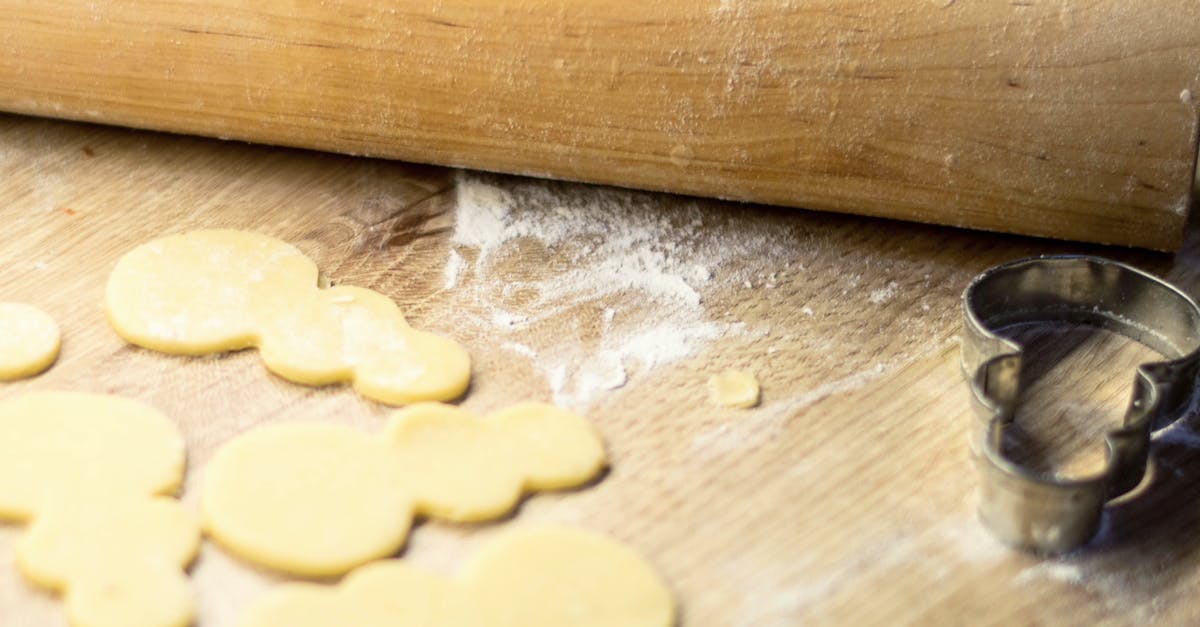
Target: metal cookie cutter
<point>1040,512</point>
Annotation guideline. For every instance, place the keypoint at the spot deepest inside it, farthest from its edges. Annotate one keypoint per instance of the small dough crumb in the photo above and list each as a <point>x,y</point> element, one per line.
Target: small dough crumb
<point>320,499</point>
<point>526,577</point>
<point>733,388</point>
<point>29,341</point>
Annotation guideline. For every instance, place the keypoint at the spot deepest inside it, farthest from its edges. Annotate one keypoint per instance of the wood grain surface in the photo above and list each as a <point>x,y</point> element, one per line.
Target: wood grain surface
<point>846,498</point>
<point>1056,118</point>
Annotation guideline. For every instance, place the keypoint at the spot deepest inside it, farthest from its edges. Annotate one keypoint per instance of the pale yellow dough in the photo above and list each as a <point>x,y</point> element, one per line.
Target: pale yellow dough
<point>531,577</point>
<point>90,474</point>
<point>733,388</point>
<point>220,290</point>
<point>29,341</point>
<point>319,499</point>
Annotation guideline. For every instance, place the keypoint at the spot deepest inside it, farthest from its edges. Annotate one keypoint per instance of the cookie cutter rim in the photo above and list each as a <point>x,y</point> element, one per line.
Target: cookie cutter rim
<point>1039,511</point>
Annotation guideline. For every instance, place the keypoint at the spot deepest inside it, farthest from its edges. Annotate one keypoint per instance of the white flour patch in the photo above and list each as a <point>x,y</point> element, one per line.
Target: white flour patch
<point>1119,585</point>
<point>1182,205</point>
<point>970,541</point>
<point>594,249</point>
<point>481,211</point>
<point>520,349</point>
<point>606,372</point>
<point>508,320</point>
<point>884,294</point>
<point>454,267</point>
<point>1058,571</point>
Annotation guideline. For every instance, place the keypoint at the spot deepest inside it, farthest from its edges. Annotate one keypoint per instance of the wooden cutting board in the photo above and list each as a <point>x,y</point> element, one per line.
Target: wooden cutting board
<point>845,498</point>
<point>1053,118</point>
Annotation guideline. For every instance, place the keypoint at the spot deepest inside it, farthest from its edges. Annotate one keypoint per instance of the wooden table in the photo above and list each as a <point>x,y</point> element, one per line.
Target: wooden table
<point>845,498</point>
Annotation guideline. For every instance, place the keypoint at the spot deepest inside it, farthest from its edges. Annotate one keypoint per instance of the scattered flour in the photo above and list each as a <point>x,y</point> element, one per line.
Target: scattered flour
<point>520,349</point>
<point>885,294</point>
<point>1059,571</point>
<point>454,267</point>
<point>505,319</point>
<point>1183,205</point>
<point>482,212</point>
<point>607,249</point>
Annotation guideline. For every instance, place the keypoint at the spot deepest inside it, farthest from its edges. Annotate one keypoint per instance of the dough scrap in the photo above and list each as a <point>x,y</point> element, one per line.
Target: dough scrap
<point>212,291</point>
<point>89,473</point>
<point>733,388</point>
<point>319,499</point>
<point>526,577</point>
<point>29,341</point>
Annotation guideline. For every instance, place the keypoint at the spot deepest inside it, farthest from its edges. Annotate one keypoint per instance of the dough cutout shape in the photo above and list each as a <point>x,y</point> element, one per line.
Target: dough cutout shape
<point>90,474</point>
<point>213,291</point>
<point>318,499</point>
<point>29,341</point>
<point>525,577</point>
<point>733,388</point>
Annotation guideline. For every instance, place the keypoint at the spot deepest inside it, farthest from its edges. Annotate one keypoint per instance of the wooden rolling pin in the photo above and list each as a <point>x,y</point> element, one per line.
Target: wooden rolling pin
<point>1046,117</point>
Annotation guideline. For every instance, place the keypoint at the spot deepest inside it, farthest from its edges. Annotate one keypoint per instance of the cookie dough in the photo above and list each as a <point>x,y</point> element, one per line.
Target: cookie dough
<point>320,499</point>
<point>29,341</point>
<point>733,388</point>
<point>90,474</point>
<point>221,290</point>
<point>529,577</point>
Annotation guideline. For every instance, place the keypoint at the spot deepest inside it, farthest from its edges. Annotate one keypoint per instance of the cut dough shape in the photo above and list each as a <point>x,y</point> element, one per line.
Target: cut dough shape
<point>220,290</point>
<point>319,499</point>
<point>733,388</point>
<point>530,577</point>
<point>89,473</point>
<point>29,341</point>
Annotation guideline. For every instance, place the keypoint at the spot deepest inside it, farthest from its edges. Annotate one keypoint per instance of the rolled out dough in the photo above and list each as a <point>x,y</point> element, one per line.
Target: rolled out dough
<point>29,341</point>
<point>89,474</point>
<point>219,290</point>
<point>526,577</point>
<point>320,499</point>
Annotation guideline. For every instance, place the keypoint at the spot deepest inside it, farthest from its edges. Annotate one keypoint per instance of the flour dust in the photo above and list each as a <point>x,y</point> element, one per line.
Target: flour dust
<point>594,285</point>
